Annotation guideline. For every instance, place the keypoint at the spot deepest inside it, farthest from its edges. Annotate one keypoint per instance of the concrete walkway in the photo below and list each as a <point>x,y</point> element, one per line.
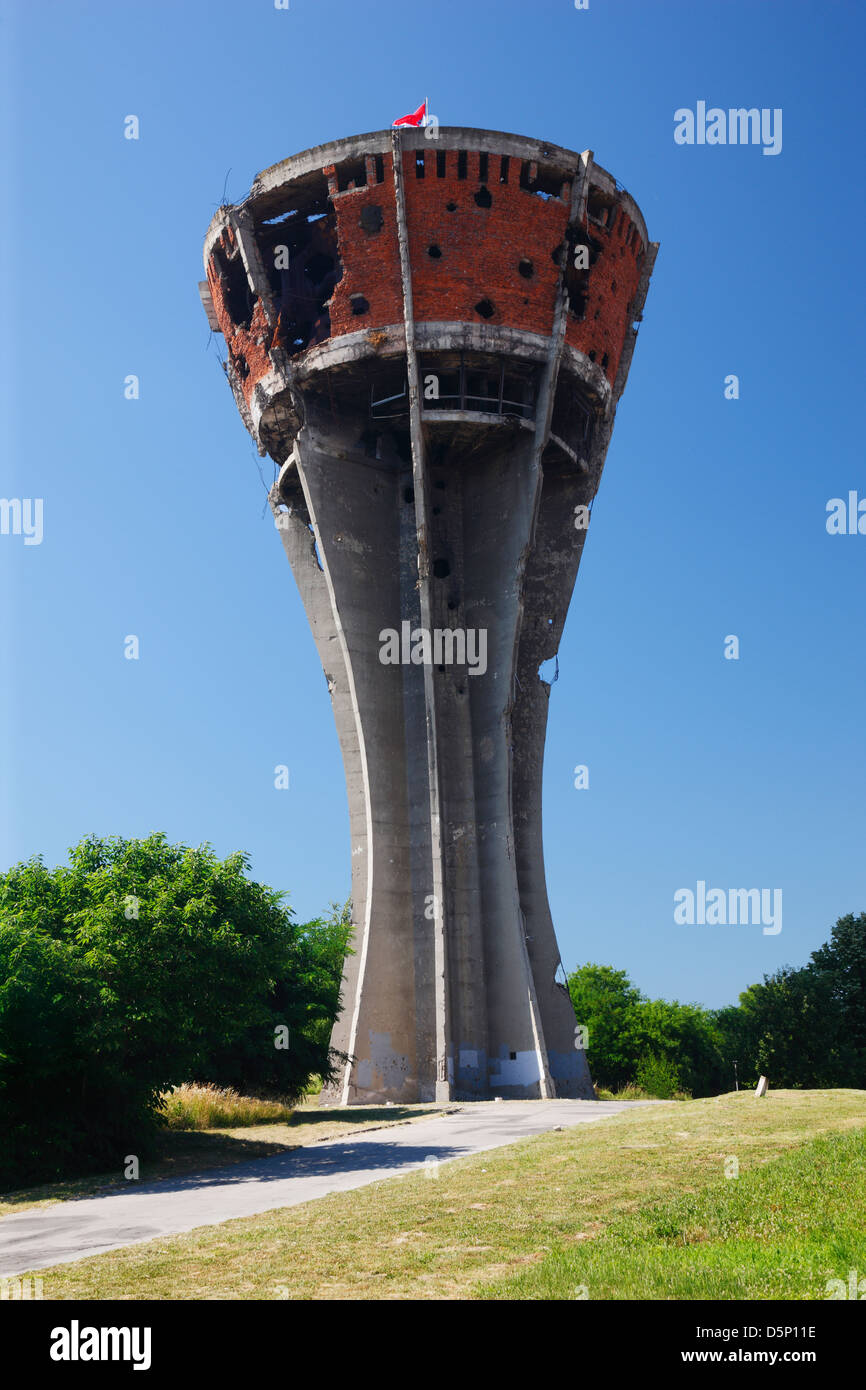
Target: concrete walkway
<point>72,1230</point>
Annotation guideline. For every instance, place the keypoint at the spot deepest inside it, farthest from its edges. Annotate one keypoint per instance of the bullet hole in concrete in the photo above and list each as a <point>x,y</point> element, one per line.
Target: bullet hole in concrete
<point>461,164</point>
<point>452,605</point>
<point>241,365</point>
<point>604,361</point>
<point>503,169</point>
<point>597,314</point>
<point>419,164</point>
<point>359,304</point>
<point>441,569</point>
<point>483,198</point>
<point>409,496</point>
<point>441,668</point>
<point>461,690</point>
<point>525,268</point>
<point>556,253</point>
<point>440,483</point>
<point>434,251</point>
<point>485,309</point>
<point>440,164</point>
<point>513,1056</point>
<point>450,207</point>
<point>592,354</point>
<point>437,511</point>
<point>372,218</point>
<point>613,286</point>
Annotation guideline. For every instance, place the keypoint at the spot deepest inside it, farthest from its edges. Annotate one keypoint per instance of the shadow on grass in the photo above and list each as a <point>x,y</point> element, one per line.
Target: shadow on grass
<point>183,1152</point>
<point>179,1152</point>
<point>364,1114</point>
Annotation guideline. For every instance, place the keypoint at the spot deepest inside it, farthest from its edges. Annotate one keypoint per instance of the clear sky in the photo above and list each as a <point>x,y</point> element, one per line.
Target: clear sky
<point>710,520</point>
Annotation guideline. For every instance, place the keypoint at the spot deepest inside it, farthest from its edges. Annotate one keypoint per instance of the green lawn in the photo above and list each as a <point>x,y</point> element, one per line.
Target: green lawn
<point>529,1220</point>
<point>779,1231</point>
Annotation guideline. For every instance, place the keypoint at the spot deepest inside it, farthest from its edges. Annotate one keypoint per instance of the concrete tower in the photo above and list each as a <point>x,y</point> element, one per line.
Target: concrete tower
<point>430,336</point>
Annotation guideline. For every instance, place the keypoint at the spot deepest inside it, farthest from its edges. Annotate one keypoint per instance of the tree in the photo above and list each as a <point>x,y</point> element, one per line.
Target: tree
<point>807,1026</point>
<point>138,966</point>
<point>629,1034</point>
<point>841,962</point>
<point>605,1004</point>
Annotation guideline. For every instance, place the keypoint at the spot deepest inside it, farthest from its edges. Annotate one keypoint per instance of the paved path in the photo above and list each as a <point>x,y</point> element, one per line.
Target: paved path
<point>73,1230</point>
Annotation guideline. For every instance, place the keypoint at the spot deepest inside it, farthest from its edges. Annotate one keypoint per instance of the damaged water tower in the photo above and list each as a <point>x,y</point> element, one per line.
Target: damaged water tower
<point>429,336</point>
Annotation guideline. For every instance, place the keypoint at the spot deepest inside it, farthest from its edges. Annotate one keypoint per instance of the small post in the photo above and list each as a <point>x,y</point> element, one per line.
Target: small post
<point>761,1088</point>
<point>736,1078</point>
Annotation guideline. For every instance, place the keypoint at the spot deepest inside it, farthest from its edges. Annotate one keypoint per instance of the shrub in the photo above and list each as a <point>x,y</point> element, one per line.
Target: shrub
<point>657,1077</point>
<point>137,967</point>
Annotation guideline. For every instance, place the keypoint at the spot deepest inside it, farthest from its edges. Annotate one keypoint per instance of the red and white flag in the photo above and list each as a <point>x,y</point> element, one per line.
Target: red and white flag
<point>418,117</point>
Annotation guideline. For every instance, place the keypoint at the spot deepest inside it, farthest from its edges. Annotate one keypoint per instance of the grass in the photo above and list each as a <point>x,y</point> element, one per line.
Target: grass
<point>489,1225</point>
<point>780,1231</point>
<point>183,1152</point>
<point>631,1091</point>
<point>212,1107</point>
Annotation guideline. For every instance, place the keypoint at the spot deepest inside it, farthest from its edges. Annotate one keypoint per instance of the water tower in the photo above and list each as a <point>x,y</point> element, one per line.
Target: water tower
<point>429,337</point>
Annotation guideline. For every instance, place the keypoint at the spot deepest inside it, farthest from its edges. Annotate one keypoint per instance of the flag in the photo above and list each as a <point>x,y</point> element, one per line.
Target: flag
<point>416,118</point>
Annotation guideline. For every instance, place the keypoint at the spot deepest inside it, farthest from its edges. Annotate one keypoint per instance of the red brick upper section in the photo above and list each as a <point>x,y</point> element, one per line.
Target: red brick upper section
<point>485,246</point>
<point>370,260</point>
<point>481,247</point>
<point>613,281</point>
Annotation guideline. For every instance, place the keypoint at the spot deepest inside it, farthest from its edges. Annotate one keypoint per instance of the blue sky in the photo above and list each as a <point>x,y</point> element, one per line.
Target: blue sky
<point>710,519</point>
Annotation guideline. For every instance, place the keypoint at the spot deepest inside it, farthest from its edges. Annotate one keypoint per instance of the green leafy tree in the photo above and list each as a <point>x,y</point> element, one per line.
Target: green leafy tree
<point>806,1027</point>
<point>137,966</point>
<point>605,1004</point>
<point>627,1031</point>
<point>841,964</point>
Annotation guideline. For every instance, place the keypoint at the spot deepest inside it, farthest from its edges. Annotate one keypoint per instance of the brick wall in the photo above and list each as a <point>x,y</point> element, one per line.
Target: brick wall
<point>613,280</point>
<point>498,244</point>
<point>481,247</point>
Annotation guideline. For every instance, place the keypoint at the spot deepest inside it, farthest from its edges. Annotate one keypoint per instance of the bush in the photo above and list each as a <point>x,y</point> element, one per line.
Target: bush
<point>658,1078</point>
<point>137,967</point>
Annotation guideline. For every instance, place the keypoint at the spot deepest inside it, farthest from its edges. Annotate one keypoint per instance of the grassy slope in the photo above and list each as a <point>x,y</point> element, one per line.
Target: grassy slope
<point>482,1220</point>
<point>779,1231</point>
